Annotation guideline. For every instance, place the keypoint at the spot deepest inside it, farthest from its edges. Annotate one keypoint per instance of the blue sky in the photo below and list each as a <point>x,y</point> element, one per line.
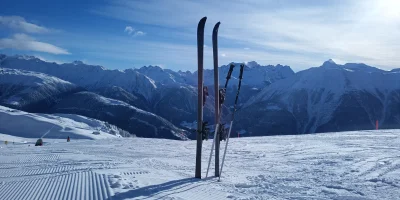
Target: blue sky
<point>124,34</point>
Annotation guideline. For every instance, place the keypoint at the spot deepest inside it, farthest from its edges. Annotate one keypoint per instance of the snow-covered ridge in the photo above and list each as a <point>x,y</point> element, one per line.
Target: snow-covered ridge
<point>88,76</point>
<point>56,126</point>
<point>21,87</point>
<point>28,78</point>
<point>151,76</point>
<point>336,79</point>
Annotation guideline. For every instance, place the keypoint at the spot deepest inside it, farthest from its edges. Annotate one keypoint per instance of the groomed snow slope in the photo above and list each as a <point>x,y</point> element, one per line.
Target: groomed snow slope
<point>30,125</point>
<point>347,165</point>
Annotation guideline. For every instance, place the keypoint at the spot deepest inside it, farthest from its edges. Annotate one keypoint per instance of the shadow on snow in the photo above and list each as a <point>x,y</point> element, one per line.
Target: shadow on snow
<point>169,188</point>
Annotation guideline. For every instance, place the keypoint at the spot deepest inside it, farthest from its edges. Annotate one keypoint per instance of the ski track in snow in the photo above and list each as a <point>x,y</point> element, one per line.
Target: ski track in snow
<point>348,165</point>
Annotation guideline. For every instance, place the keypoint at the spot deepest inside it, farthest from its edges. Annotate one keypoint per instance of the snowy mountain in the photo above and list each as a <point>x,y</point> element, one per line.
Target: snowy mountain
<point>152,88</point>
<point>118,93</point>
<point>24,89</point>
<point>60,126</point>
<point>328,98</point>
<point>136,121</point>
<point>38,92</point>
<point>256,75</point>
<point>88,76</point>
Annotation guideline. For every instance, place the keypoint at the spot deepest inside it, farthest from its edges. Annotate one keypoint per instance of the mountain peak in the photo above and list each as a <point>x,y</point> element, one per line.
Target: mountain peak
<point>329,63</point>
<point>252,64</point>
<point>25,57</point>
<point>77,62</point>
<point>151,67</point>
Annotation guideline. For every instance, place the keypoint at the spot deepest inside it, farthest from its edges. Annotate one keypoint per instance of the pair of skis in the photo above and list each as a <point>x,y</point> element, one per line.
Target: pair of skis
<point>219,98</point>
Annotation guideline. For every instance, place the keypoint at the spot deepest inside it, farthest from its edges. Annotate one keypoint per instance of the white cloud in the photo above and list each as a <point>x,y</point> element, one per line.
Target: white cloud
<point>223,55</point>
<point>129,30</point>
<point>24,42</point>
<point>20,24</point>
<point>139,33</point>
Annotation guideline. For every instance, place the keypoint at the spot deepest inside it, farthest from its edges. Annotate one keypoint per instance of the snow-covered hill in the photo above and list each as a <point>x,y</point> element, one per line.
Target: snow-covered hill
<point>20,88</point>
<point>327,98</point>
<point>130,118</point>
<point>38,92</point>
<point>348,165</point>
<point>57,126</point>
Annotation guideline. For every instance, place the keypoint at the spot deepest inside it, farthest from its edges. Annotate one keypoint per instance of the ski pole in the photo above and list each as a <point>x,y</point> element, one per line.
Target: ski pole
<point>233,117</point>
<point>212,149</point>
<point>228,76</point>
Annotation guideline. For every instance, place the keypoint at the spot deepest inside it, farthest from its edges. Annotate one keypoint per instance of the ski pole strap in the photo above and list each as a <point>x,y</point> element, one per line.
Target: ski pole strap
<point>221,96</point>
<point>205,130</point>
<point>205,93</point>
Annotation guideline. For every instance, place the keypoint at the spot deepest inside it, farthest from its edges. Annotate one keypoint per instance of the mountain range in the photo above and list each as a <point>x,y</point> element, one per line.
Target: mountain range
<point>328,98</point>
<point>154,102</point>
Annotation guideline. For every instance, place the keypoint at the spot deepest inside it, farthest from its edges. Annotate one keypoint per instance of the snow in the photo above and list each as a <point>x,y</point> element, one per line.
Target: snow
<point>28,78</point>
<point>112,101</point>
<point>21,87</point>
<point>30,125</point>
<point>15,139</point>
<point>347,165</point>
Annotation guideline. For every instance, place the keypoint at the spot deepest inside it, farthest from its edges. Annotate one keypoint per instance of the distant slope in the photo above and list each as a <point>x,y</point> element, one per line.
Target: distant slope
<point>29,125</point>
<point>25,89</point>
<point>38,92</point>
<point>130,118</point>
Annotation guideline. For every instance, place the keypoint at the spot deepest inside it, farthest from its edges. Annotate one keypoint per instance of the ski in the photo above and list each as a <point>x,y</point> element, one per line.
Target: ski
<point>216,90</point>
<point>233,117</point>
<point>221,99</point>
<point>200,104</point>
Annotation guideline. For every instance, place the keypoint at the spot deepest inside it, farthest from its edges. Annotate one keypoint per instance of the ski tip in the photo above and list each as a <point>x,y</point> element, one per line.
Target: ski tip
<point>202,23</point>
<point>203,19</point>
